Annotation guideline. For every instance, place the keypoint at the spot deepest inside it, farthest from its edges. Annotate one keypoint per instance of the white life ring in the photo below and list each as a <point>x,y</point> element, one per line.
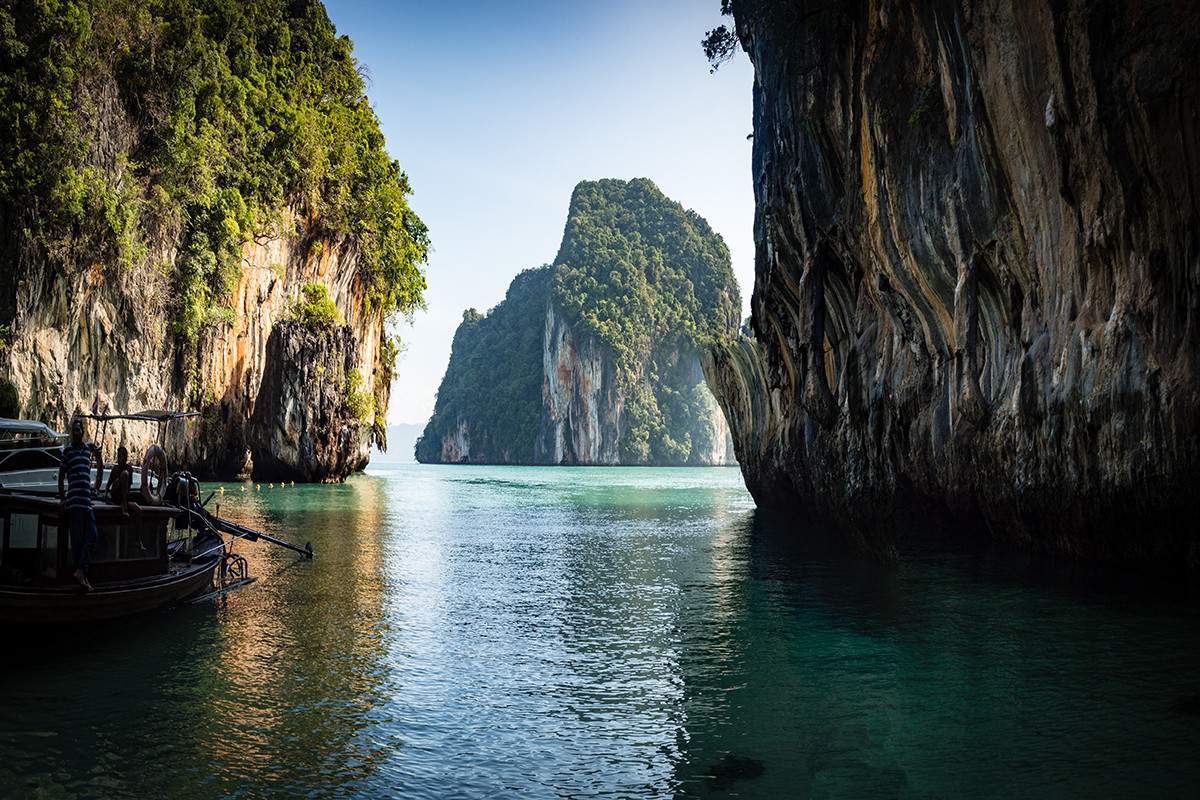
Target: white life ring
<point>155,462</point>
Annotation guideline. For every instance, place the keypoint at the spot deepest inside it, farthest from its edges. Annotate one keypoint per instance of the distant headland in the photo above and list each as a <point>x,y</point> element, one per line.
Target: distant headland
<point>596,358</point>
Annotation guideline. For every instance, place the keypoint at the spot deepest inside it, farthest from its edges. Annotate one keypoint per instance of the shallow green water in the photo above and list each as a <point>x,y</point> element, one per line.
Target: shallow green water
<point>538,632</point>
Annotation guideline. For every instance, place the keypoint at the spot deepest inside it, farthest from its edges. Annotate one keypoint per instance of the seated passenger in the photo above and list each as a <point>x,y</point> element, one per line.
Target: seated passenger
<point>120,483</point>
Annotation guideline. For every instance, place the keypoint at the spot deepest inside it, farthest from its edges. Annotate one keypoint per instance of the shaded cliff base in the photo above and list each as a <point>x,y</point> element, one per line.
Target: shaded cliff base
<point>962,543</point>
<point>1126,529</point>
<point>1077,480</point>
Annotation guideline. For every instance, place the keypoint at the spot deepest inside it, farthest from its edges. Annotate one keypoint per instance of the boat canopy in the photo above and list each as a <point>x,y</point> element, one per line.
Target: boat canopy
<point>150,415</point>
<point>22,428</point>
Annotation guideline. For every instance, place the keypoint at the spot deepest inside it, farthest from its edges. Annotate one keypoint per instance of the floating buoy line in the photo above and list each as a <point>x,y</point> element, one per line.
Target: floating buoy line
<point>258,486</point>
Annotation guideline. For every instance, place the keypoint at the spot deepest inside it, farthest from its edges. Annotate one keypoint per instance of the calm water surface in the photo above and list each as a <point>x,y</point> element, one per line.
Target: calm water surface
<point>536,632</point>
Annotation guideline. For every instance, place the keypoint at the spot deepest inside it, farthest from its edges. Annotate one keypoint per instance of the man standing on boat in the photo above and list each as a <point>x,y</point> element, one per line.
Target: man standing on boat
<point>76,467</point>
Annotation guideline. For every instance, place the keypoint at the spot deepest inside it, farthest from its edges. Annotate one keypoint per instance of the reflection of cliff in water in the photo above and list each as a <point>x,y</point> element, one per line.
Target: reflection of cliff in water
<point>791,620</point>
<point>265,694</point>
<point>720,749</point>
<point>808,670</point>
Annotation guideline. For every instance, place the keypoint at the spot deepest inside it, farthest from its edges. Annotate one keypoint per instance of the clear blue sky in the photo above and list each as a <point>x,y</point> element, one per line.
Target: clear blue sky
<point>497,109</point>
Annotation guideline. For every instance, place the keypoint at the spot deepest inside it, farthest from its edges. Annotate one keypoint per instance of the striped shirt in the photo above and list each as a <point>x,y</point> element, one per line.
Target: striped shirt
<point>77,464</point>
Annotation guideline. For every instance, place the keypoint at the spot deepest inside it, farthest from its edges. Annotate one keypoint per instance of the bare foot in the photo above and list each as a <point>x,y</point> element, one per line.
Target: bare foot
<point>82,580</point>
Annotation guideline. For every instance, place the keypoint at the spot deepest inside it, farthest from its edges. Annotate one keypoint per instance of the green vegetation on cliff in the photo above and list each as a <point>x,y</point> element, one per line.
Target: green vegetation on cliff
<point>636,270</point>
<point>195,123</point>
<point>649,283</point>
<point>315,308</point>
<point>495,377</point>
<point>647,279</point>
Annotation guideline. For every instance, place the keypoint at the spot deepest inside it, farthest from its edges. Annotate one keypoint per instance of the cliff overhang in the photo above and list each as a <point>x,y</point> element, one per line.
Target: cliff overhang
<point>977,272</point>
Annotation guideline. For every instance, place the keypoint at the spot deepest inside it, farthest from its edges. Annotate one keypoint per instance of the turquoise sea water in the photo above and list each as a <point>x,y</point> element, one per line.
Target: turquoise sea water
<point>538,632</point>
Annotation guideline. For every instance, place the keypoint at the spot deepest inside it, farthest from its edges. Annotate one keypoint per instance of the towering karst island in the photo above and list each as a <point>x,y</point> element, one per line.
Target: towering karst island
<point>595,359</point>
<point>197,212</point>
<point>978,270</point>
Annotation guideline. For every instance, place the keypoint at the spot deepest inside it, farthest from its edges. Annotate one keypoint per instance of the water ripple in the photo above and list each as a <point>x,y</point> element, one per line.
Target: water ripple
<point>476,632</point>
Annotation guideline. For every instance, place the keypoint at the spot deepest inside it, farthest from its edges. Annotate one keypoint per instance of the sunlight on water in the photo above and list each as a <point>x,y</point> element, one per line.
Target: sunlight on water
<point>489,632</point>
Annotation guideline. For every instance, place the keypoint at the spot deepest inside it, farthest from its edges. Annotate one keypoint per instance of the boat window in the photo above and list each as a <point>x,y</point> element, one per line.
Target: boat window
<point>122,543</point>
<point>48,552</point>
<point>21,561</point>
<point>23,531</point>
<point>106,544</point>
<point>132,546</point>
<point>29,459</point>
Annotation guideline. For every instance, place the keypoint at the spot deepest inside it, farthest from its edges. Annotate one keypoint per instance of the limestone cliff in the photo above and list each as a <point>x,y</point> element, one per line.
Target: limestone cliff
<point>581,409</point>
<point>595,359</point>
<point>299,428</point>
<point>977,270</point>
<point>103,337</point>
<point>176,179</point>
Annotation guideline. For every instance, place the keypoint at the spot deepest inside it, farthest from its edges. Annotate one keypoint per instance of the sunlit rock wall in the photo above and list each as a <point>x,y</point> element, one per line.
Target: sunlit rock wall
<point>581,411</point>
<point>977,270</point>
<point>456,446</point>
<point>98,333</point>
<point>236,359</point>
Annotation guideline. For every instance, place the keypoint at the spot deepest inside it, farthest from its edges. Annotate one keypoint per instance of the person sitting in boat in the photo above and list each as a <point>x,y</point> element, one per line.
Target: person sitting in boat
<point>76,502</point>
<point>120,482</point>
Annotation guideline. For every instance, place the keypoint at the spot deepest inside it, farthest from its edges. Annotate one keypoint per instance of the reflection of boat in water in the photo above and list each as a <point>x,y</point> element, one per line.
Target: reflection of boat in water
<point>170,551</point>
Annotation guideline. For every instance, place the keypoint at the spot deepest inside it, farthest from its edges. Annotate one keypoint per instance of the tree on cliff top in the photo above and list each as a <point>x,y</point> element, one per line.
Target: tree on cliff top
<point>196,123</point>
<point>635,269</point>
<point>720,44</point>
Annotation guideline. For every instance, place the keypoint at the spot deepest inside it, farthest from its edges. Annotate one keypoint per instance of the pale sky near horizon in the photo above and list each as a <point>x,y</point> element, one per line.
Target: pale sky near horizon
<point>497,109</point>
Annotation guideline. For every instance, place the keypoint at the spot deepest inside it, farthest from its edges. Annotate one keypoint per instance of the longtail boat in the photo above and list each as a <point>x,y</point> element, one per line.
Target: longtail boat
<point>171,551</point>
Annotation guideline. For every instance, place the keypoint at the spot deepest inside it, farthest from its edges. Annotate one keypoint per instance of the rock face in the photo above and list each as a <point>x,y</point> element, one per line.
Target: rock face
<point>102,336</point>
<point>584,411</point>
<point>259,370</point>
<point>977,270</point>
<point>456,444</point>
<point>581,409</point>
<point>595,359</point>
<point>299,430</point>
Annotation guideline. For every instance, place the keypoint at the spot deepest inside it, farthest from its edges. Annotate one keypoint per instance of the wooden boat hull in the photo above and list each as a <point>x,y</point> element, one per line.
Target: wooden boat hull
<point>64,604</point>
<point>134,567</point>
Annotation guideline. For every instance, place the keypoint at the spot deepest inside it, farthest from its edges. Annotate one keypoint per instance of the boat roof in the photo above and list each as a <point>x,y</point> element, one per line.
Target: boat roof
<point>11,428</point>
<point>150,415</point>
<point>23,431</point>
